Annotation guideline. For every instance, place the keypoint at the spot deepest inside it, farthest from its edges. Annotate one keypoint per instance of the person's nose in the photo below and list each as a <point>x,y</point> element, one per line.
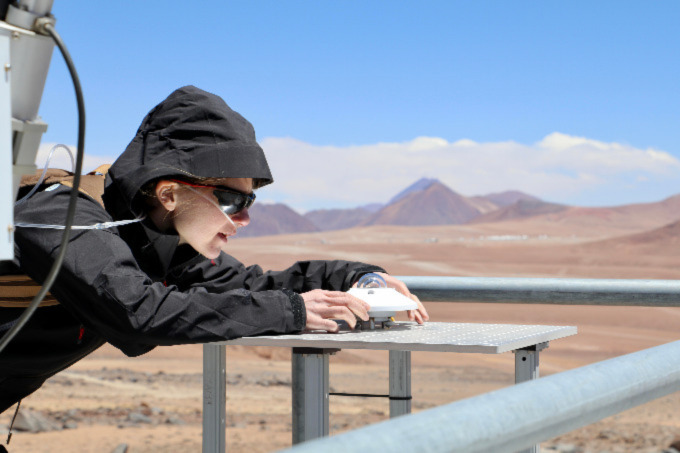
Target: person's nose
<point>241,218</point>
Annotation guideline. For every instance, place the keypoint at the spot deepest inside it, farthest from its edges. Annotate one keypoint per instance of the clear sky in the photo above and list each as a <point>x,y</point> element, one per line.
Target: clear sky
<point>572,101</point>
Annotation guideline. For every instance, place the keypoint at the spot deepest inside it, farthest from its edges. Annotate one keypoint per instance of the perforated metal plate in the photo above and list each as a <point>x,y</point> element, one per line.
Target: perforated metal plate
<point>433,336</point>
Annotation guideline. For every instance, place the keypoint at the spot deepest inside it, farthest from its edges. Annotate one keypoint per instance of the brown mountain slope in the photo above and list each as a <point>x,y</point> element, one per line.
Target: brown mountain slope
<point>519,210</point>
<point>267,219</point>
<point>483,204</point>
<point>436,205</point>
<point>632,218</point>
<point>509,197</point>
<point>658,241</point>
<point>337,219</point>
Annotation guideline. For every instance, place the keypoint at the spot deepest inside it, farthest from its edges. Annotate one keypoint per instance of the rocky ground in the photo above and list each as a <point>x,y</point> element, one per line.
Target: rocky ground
<point>109,403</point>
<point>103,406</point>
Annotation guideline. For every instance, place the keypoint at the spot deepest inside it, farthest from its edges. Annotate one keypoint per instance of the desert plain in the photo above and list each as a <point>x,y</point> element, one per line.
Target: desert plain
<point>153,403</point>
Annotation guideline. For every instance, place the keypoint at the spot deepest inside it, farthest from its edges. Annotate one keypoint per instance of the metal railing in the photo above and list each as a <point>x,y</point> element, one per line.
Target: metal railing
<point>520,416</point>
<point>566,291</point>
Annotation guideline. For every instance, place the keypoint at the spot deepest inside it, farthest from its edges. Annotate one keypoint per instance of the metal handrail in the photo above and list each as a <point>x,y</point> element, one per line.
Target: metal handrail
<point>520,416</point>
<point>566,291</point>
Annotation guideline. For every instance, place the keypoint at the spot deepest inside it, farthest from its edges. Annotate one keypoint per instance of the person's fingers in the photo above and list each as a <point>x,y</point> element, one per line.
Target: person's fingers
<point>309,296</point>
<point>421,308</point>
<point>418,316</point>
<point>414,315</point>
<point>328,325</point>
<point>356,305</point>
<point>316,322</point>
<point>326,305</point>
<point>349,318</point>
<point>343,296</point>
<point>338,312</point>
<point>396,284</point>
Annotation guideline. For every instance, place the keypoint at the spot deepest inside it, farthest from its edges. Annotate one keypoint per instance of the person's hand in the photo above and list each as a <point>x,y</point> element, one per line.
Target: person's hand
<point>420,314</point>
<point>324,306</point>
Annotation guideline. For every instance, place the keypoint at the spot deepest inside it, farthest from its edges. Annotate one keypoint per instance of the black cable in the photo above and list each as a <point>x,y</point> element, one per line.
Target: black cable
<point>372,395</point>
<point>70,213</point>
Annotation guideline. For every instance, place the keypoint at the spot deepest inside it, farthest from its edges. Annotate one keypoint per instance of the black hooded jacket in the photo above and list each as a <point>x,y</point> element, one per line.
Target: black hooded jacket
<point>133,286</point>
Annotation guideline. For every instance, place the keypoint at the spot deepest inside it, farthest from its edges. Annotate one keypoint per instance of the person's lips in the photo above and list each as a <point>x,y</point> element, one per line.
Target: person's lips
<point>222,236</point>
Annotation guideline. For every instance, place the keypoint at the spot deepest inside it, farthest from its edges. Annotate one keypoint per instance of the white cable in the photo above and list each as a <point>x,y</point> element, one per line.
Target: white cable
<point>47,164</point>
<point>96,226</point>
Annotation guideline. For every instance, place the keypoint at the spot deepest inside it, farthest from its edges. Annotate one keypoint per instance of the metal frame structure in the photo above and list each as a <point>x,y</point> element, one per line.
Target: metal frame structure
<point>6,185</point>
<point>310,366</point>
<point>518,417</point>
<point>25,55</point>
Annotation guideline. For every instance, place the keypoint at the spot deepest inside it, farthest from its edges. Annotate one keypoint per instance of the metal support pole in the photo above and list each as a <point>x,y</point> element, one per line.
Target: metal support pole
<point>6,192</point>
<point>310,393</point>
<point>526,369</point>
<point>214,398</point>
<point>400,383</point>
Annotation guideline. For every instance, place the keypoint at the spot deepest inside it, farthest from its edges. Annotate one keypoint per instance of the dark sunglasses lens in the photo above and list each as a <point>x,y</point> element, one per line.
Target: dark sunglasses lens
<point>232,202</point>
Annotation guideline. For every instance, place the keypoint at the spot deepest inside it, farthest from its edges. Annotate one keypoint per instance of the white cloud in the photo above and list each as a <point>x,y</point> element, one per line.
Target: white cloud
<point>559,167</point>
<point>579,153</point>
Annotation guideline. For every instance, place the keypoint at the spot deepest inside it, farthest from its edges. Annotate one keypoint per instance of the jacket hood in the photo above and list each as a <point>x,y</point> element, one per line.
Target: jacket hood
<point>192,133</point>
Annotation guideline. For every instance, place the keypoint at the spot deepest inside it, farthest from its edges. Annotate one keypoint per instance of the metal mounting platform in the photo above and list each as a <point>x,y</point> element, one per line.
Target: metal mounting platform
<point>310,371</point>
<point>432,336</point>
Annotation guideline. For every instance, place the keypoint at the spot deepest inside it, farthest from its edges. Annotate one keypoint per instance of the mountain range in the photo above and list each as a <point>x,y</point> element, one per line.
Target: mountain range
<point>430,202</point>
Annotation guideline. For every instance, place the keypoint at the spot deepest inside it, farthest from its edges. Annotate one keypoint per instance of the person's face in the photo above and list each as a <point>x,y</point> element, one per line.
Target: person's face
<point>199,221</point>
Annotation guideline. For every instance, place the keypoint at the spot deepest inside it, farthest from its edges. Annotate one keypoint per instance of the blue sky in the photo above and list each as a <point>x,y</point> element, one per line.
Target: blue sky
<point>575,102</point>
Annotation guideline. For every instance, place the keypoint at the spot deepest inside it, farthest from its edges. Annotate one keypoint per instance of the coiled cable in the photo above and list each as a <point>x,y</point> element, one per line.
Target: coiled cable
<point>71,211</point>
<point>44,172</point>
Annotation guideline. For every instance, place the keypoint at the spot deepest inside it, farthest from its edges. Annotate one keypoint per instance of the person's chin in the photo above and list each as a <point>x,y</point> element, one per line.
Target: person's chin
<point>210,252</point>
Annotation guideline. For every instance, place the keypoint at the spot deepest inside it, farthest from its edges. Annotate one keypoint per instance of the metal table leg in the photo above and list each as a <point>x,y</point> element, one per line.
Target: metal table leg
<point>526,369</point>
<point>400,383</point>
<point>310,393</point>
<point>214,398</point>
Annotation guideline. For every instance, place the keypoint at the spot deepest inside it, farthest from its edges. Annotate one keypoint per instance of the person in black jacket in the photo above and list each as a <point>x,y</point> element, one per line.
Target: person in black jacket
<point>189,174</point>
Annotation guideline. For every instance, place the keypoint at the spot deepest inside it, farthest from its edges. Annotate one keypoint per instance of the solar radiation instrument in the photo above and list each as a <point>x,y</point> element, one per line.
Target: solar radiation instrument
<point>385,302</point>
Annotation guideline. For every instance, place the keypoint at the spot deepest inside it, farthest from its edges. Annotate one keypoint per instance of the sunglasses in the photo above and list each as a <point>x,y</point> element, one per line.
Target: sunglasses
<point>230,201</point>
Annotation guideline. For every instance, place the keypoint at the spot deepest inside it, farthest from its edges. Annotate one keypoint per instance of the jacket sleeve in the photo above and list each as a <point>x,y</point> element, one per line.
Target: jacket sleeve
<point>102,285</point>
<point>227,273</point>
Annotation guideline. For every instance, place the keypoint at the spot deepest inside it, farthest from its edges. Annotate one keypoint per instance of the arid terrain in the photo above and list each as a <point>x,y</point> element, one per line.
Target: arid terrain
<point>153,403</point>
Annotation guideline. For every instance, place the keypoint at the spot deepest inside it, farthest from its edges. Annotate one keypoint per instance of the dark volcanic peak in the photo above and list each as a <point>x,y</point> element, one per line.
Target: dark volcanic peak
<point>509,197</point>
<point>435,205</point>
<point>338,219</point>
<point>269,219</point>
<point>421,184</point>
<point>521,209</point>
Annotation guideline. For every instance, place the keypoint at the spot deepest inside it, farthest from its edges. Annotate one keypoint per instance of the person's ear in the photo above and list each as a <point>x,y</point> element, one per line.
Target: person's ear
<point>166,194</point>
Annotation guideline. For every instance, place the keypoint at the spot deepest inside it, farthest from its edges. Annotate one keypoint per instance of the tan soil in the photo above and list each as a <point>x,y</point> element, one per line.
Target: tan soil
<point>101,392</point>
